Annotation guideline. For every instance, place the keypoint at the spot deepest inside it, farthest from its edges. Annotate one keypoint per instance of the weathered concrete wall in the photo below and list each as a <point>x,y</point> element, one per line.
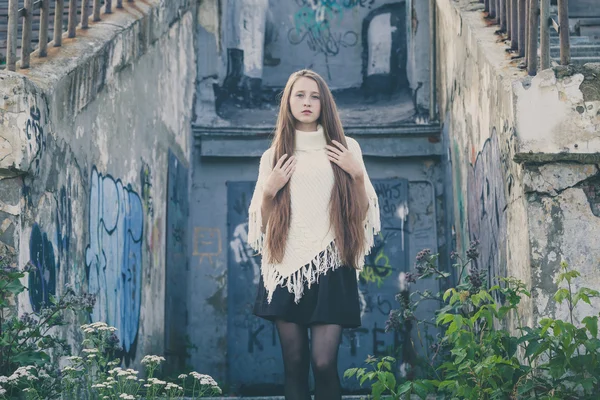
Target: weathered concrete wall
<point>379,45</point>
<point>477,108</point>
<point>86,137</point>
<point>523,155</point>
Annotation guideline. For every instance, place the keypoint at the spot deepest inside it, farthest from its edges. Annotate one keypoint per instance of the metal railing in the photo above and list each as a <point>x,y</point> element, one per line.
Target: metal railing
<point>27,14</point>
<point>524,20</point>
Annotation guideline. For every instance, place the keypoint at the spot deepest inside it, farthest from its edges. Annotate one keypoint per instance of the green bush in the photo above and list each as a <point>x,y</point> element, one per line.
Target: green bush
<point>475,358</point>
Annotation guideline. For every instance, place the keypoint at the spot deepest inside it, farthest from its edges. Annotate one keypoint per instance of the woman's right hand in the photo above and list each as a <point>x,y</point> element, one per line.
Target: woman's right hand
<point>280,175</point>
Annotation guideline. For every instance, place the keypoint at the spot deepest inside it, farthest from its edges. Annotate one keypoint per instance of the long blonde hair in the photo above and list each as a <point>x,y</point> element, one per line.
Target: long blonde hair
<point>344,210</point>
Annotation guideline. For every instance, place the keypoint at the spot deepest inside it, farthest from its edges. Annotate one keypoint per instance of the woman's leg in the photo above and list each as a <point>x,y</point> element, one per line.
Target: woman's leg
<point>296,360</point>
<point>325,342</point>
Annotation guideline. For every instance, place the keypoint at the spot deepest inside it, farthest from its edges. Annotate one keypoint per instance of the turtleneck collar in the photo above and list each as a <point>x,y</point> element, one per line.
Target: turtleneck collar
<point>310,140</point>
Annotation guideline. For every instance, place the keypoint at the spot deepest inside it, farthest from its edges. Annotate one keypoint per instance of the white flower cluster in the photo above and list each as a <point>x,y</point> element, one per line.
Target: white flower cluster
<point>171,386</point>
<point>204,379</point>
<point>124,373</point>
<point>152,360</point>
<point>22,372</point>
<point>97,327</point>
<point>155,381</point>
<point>127,396</point>
<point>2,391</point>
<point>69,368</point>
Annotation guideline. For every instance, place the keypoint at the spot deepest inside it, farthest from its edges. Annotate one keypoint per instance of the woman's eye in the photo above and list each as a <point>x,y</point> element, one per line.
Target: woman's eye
<point>316,97</point>
<point>299,95</point>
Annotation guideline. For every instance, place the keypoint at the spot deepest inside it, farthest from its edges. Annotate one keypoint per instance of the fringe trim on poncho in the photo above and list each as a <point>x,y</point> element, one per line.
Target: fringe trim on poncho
<point>327,260</point>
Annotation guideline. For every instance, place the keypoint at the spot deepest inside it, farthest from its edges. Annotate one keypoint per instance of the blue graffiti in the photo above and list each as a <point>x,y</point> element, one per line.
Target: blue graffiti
<point>114,255</point>
<point>42,275</point>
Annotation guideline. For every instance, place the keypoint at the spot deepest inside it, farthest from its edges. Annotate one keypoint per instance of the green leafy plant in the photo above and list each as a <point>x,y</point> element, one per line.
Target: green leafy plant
<point>474,357</point>
<point>28,341</point>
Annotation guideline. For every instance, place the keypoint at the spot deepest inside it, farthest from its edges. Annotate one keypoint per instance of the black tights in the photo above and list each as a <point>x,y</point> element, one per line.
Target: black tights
<point>325,342</point>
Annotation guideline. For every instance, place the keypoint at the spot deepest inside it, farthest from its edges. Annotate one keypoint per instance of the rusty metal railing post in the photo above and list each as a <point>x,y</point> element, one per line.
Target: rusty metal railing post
<point>72,19</point>
<point>563,22</point>
<point>96,11</point>
<point>502,15</point>
<point>11,37</point>
<point>44,20</point>
<point>508,18</point>
<point>26,39</point>
<point>493,8</point>
<point>58,21</point>
<point>514,24</point>
<point>534,18</point>
<point>119,3</point>
<point>486,6</point>
<point>545,34</point>
<point>108,7</point>
<point>527,25</point>
<point>522,28</point>
<point>85,6</point>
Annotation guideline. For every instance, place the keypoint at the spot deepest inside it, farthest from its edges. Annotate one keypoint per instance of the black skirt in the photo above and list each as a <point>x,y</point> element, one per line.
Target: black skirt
<point>333,299</point>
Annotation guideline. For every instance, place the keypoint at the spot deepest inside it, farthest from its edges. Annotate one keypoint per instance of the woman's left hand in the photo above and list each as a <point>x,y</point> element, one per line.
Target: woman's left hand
<point>344,159</point>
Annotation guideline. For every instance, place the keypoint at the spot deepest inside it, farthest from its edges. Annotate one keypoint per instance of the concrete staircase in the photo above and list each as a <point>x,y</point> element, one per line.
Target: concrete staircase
<point>585,43</point>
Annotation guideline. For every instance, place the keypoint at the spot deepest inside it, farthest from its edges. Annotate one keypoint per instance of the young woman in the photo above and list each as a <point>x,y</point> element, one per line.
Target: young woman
<point>313,217</point>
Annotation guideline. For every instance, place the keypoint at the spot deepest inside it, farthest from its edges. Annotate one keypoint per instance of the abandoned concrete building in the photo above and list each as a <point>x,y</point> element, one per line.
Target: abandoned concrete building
<point>128,155</point>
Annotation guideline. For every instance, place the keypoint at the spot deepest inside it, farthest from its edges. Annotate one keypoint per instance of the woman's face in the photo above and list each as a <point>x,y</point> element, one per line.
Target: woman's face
<point>305,104</point>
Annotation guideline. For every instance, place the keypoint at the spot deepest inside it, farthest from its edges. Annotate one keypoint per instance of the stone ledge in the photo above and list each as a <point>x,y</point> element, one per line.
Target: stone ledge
<point>377,141</point>
<point>545,158</point>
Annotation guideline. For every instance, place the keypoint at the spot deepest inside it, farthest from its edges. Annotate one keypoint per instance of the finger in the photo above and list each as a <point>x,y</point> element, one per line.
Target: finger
<point>333,155</point>
<point>288,162</point>
<point>291,172</point>
<point>334,160</point>
<point>289,167</point>
<point>333,149</point>
<point>280,161</point>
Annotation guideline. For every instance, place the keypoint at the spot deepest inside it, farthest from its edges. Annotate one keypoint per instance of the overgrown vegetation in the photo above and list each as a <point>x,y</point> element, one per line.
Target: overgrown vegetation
<point>474,357</point>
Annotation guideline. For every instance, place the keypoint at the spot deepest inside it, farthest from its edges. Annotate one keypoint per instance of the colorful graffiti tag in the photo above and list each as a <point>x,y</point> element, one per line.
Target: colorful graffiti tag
<point>314,21</point>
<point>114,255</point>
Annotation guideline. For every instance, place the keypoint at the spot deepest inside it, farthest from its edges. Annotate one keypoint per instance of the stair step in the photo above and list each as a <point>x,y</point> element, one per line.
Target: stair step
<point>581,60</point>
<point>578,51</point>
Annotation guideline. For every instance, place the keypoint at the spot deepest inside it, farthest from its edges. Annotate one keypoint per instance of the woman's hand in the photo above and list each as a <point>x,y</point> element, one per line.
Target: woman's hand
<point>344,159</point>
<point>280,175</point>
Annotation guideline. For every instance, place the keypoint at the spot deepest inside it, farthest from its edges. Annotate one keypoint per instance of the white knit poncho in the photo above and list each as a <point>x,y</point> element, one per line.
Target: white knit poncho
<point>310,247</point>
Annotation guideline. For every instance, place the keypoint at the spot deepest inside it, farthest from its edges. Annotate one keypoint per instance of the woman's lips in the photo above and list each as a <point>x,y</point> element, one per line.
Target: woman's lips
<point>306,112</point>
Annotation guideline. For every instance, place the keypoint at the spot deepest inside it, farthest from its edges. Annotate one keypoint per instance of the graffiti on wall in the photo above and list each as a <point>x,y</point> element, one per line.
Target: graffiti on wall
<point>146,181</point>
<point>42,276</point>
<point>34,131</point>
<point>207,244</point>
<point>242,252</point>
<point>486,207</point>
<point>114,255</point>
<point>317,23</point>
